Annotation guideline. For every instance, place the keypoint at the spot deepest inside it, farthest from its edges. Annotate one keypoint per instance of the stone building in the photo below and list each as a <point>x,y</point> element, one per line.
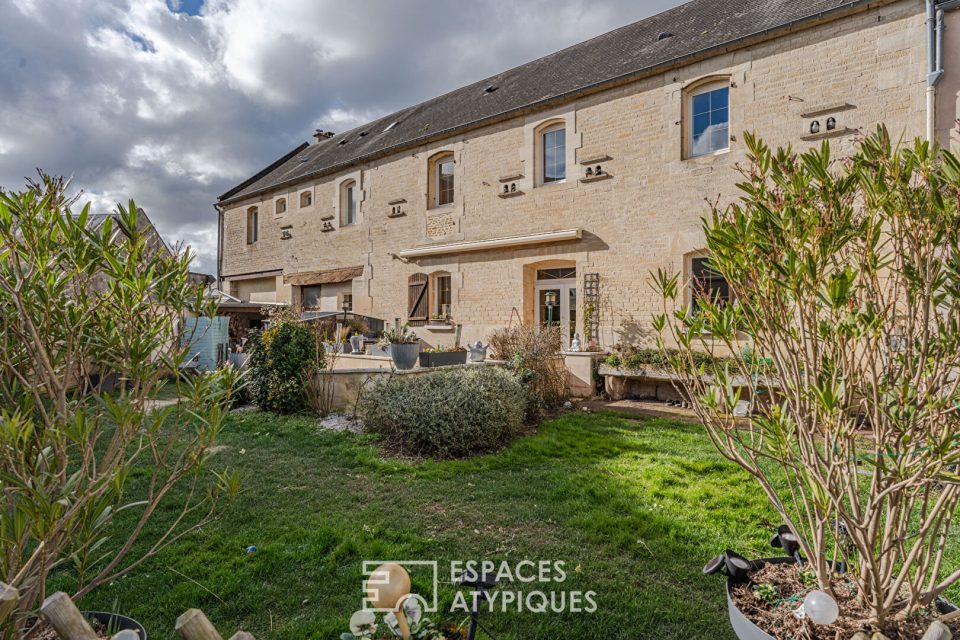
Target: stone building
<point>548,193</point>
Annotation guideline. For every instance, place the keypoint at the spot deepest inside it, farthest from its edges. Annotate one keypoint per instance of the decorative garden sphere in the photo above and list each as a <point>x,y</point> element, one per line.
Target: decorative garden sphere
<point>387,585</point>
<point>362,621</point>
<point>821,608</point>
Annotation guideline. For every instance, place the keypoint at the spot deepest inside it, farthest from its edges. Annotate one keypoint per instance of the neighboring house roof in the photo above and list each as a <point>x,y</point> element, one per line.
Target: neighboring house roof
<point>691,31</point>
<point>95,222</point>
<point>329,276</point>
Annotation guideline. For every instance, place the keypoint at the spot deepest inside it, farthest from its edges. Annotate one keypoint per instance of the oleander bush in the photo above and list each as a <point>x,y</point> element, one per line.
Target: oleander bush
<point>447,414</point>
<point>845,274</point>
<point>90,331</point>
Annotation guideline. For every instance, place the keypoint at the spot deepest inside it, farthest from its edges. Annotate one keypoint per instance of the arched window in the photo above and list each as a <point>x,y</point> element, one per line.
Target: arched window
<point>252,225</point>
<point>552,153</point>
<point>441,187</point>
<point>281,205</point>
<point>306,199</point>
<point>348,203</point>
<point>707,118</point>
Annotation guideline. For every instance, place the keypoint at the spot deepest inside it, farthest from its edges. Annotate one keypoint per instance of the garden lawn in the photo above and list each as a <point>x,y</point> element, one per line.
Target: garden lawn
<point>633,506</point>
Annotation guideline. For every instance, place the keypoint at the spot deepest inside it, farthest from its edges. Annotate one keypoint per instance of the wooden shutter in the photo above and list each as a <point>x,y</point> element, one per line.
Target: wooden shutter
<point>417,303</point>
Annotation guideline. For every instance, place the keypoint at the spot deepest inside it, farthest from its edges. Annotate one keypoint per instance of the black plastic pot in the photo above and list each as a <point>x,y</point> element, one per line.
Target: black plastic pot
<point>442,358</point>
<point>116,622</point>
<point>112,621</point>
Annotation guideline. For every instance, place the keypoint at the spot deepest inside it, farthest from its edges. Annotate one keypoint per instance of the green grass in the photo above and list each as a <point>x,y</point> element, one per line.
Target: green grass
<point>633,506</point>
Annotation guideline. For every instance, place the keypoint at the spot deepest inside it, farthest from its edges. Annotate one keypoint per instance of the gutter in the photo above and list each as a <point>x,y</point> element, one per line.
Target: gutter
<point>219,245</point>
<point>934,59</point>
<point>851,8</point>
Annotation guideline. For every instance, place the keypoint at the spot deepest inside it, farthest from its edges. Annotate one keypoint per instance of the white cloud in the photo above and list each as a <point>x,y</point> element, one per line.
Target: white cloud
<point>134,99</point>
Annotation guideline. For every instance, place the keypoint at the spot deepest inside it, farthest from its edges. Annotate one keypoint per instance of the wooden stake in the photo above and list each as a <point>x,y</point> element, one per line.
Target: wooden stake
<point>193,625</point>
<point>60,612</point>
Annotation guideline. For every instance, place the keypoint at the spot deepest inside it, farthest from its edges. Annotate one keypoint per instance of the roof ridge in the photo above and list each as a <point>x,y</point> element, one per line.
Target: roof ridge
<point>608,59</point>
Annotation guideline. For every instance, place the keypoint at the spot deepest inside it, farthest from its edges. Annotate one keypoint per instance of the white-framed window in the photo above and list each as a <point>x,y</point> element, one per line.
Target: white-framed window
<point>346,302</point>
<point>306,199</point>
<point>442,294</point>
<point>253,225</point>
<point>553,154</point>
<point>348,203</point>
<point>708,119</point>
<point>281,205</point>
<point>442,180</point>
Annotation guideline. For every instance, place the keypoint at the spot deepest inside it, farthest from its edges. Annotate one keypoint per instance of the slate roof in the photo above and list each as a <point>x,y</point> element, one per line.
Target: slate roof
<point>698,28</point>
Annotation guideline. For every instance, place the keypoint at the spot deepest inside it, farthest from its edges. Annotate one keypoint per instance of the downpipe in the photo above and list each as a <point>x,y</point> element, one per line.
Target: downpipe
<point>934,61</point>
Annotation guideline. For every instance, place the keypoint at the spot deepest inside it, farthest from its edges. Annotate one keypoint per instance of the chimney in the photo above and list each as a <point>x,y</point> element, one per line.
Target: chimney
<point>322,135</point>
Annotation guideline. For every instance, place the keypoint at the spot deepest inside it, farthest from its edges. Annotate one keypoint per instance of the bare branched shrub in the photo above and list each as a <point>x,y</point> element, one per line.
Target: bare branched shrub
<point>534,355</point>
<point>846,285</point>
<point>318,377</point>
<point>84,303</point>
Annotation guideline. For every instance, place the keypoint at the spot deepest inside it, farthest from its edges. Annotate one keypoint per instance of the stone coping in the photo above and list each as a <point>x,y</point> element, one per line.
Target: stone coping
<point>651,373</point>
<point>415,370</point>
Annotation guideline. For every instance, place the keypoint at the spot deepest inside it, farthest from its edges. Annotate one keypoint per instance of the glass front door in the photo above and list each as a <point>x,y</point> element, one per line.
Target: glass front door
<point>557,307</point>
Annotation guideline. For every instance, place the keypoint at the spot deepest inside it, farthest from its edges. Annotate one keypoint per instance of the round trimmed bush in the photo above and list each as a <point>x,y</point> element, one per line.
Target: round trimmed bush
<point>447,414</point>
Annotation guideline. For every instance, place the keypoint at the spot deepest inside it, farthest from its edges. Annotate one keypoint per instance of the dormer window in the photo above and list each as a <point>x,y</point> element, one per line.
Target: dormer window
<point>306,199</point>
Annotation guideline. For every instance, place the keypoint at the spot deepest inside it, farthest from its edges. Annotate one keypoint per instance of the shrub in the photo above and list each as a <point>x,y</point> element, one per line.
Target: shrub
<point>845,279</point>
<point>280,357</point>
<point>447,414</point>
<point>534,355</point>
<point>633,358</point>
<point>82,305</point>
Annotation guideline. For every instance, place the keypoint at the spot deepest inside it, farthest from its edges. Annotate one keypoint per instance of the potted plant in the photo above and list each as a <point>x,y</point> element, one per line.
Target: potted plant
<point>844,281</point>
<point>440,319</point>
<point>443,356</point>
<point>403,345</point>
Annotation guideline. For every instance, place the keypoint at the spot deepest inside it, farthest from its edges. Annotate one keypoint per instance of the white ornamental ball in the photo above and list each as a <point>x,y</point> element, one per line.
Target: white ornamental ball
<point>821,608</point>
<point>362,622</point>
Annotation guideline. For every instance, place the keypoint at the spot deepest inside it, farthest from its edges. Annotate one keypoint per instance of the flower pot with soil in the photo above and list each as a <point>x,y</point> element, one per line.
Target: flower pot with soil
<point>442,358</point>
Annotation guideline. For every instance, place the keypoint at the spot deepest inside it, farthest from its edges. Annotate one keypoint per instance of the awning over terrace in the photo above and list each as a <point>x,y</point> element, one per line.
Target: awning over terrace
<point>328,276</point>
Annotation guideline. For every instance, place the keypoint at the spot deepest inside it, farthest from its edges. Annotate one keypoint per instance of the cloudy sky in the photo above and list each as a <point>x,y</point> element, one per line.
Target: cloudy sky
<point>173,102</point>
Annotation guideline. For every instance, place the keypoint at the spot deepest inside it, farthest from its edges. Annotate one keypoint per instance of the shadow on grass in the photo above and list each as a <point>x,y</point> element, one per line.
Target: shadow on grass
<point>632,506</point>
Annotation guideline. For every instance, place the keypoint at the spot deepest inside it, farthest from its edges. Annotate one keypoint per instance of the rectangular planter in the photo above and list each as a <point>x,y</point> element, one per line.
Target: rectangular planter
<point>442,358</point>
